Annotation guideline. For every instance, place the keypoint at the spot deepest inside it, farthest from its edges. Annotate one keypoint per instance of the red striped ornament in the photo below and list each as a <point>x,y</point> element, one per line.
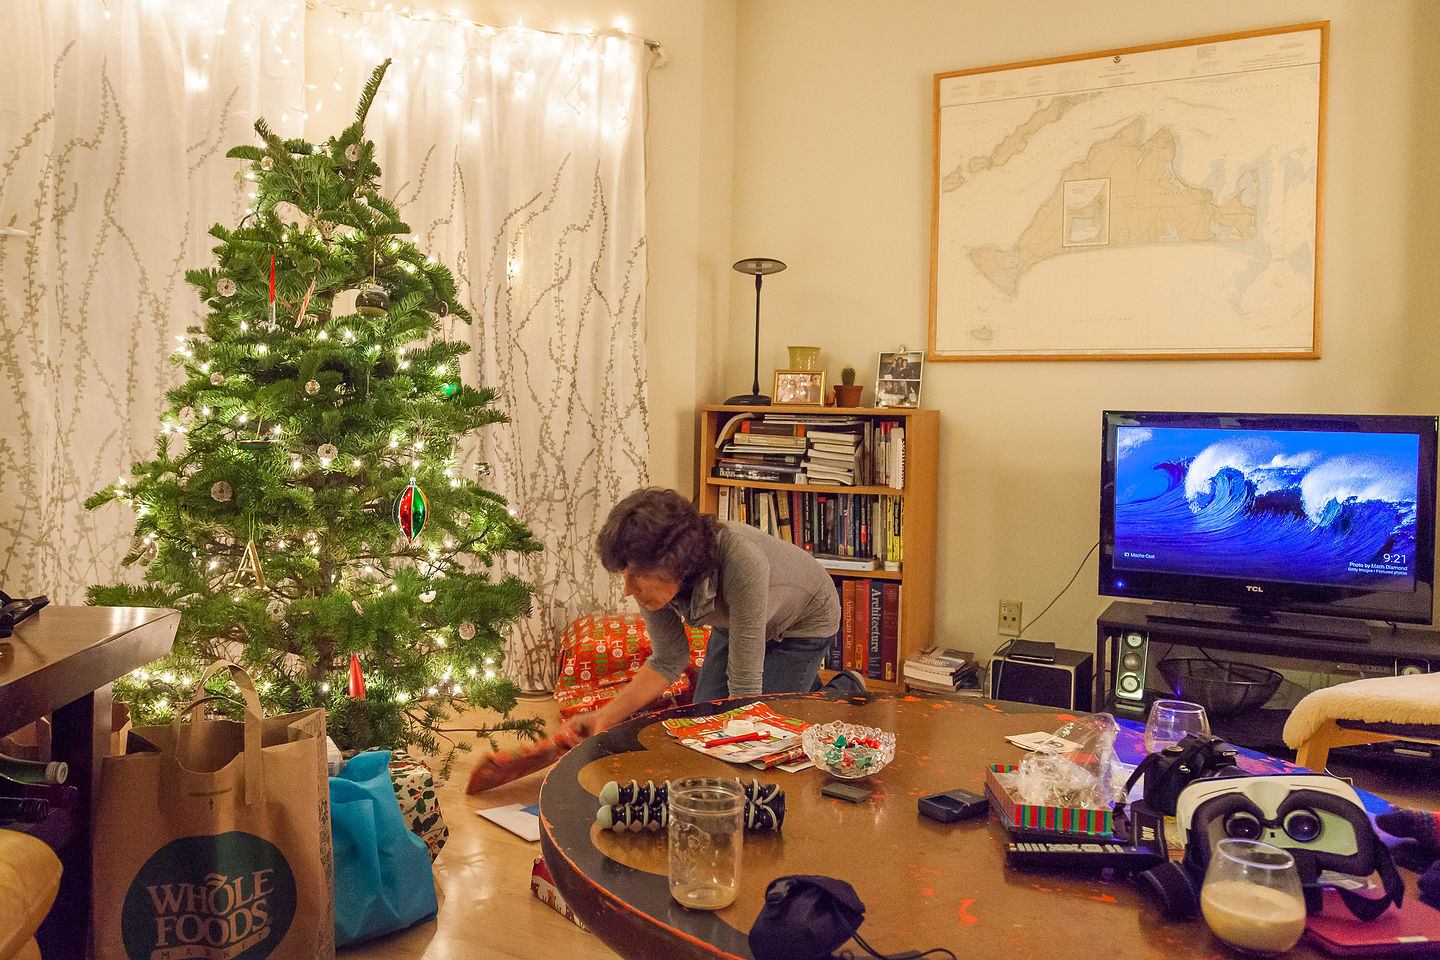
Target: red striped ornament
<point>410,508</point>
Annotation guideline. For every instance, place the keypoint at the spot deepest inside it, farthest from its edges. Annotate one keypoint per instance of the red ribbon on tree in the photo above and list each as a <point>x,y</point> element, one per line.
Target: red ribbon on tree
<point>357,682</point>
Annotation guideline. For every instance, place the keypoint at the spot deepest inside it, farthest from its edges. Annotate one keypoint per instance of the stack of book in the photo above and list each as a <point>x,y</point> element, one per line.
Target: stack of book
<point>834,456</point>
<point>942,671</point>
<point>763,450</point>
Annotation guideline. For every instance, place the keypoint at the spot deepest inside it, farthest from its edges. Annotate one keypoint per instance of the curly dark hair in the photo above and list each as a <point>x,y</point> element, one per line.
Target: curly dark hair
<point>657,531</point>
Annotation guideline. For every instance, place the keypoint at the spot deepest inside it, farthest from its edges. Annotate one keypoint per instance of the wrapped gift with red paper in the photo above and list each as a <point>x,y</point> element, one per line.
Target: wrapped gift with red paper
<point>599,655</point>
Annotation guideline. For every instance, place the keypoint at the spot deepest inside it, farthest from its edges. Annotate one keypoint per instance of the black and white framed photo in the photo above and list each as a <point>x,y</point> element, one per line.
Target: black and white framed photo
<point>897,379</point>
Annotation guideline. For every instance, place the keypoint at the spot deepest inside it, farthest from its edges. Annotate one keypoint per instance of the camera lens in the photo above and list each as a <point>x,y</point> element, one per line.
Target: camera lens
<point>1242,826</point>
<point>1302,826</point>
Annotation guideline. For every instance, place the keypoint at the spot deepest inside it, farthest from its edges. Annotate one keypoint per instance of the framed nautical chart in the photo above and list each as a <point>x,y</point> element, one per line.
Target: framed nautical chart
<point>1162,201</point>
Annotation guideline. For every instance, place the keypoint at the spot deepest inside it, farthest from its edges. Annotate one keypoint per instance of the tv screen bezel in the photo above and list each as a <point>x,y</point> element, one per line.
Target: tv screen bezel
<point>1262,597</point>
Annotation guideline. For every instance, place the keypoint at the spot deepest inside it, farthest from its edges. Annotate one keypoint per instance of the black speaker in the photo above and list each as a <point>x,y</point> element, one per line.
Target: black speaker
<point>1063,683</point>
<point>1407,666</point>
<point>1130,667</point>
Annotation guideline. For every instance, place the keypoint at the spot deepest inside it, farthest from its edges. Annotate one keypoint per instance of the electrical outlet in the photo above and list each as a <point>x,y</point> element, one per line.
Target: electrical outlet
<point>1009,618</point>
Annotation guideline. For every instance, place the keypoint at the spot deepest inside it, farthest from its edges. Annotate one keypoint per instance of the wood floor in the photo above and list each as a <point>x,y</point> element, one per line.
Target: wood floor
<point>483,874</point>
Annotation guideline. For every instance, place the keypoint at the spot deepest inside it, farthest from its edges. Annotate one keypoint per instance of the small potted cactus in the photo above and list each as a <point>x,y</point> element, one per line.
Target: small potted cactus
<point>847,391</point>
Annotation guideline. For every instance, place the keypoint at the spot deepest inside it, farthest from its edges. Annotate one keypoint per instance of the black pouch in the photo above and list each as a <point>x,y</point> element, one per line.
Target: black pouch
<point>808,918</point>
<point>805,918</point>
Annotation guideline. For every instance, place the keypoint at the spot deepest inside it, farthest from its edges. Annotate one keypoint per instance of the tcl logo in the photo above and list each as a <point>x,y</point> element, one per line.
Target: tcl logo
<point>1254,589</point>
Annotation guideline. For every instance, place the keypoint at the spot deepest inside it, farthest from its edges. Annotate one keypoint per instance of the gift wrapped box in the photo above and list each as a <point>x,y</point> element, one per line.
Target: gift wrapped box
<point>542,888</point>
<point>1042,820</point>
<point>599,655</point>
<point>415,791</point>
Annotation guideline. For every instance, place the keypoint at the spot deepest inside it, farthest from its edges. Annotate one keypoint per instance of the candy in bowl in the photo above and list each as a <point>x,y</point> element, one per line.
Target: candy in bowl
<point>848,750</point>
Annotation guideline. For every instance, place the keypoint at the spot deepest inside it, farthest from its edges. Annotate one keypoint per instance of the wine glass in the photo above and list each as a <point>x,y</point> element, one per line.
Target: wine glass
<point>1251,897</point>
<point>1171,720</point>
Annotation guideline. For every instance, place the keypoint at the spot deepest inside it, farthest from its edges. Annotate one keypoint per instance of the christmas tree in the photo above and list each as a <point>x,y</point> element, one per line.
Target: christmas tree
<point>305,510</point>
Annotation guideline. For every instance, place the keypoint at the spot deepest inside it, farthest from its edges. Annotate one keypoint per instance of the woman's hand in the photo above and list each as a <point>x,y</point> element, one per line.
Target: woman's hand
<point>589,724</point>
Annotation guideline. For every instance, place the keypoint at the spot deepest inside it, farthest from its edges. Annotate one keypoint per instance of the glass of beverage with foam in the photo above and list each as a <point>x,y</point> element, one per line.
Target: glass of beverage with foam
<point>1251,897</point>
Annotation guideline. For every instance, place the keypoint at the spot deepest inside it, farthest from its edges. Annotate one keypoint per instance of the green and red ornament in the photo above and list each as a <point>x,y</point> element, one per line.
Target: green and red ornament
<point>410,509</point>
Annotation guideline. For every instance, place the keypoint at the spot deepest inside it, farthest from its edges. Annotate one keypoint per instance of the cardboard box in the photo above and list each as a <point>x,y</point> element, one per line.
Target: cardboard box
<point>1037,820</point>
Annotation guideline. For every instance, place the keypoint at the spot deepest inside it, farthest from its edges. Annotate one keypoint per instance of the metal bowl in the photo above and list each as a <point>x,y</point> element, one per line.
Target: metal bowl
<point>1222,687</point>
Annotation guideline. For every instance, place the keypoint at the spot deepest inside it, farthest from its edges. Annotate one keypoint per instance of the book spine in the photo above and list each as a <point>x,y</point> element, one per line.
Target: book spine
<point>847,622</point>
<point>890,628</point>
<point>722,504</point>
<point>876,663</point>
<point>862,627</point>
<point>835,656</point>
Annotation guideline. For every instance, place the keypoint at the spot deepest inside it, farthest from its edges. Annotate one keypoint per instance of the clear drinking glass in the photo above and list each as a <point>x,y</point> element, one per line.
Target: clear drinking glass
<point>1251,897</point>
<point>707,832</point>
<point>1171,720</point>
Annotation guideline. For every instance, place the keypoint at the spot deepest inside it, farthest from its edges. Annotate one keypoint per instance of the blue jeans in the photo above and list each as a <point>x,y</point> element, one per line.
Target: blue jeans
<point>790,667</point>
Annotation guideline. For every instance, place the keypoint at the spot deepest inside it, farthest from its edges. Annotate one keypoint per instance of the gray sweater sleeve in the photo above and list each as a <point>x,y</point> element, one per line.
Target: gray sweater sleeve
<point>670,647</point>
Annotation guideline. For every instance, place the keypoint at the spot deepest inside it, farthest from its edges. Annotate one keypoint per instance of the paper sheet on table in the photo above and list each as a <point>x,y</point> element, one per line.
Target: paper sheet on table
<point>1040,740</point>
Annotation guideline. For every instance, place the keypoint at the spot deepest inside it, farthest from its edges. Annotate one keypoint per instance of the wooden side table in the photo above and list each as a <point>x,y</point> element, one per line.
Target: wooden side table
<point>61,662</point>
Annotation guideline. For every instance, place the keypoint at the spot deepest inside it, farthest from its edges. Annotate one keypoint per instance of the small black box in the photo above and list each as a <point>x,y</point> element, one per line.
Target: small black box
<point>1064,683</point>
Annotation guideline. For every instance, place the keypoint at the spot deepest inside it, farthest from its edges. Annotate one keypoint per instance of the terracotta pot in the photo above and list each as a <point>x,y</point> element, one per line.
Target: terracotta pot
<point>847,395</point>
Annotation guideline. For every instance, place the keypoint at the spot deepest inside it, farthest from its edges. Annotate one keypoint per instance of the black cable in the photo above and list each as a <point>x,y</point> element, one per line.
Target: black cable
<point>1062,589</point>
<point>904,955</point>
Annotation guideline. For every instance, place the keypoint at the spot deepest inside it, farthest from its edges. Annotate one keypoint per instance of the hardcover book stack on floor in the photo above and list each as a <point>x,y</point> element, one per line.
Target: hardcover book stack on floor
<point>943,671</point>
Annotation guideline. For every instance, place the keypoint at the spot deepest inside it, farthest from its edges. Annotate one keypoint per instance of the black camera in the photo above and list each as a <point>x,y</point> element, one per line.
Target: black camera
<point>1169,771</point>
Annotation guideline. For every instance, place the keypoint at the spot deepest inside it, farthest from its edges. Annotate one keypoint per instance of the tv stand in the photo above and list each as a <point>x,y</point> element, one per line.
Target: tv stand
<point>1262,621</point>
<point>1384,646</point>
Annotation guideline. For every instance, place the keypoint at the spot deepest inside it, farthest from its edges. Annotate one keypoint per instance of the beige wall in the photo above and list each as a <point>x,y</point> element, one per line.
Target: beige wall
<point>833,169</point>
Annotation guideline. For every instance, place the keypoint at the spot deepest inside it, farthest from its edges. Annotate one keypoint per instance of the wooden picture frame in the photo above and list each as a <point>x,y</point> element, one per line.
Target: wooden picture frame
<point>897,378</point>
<point>799,388</point>
<point>1151,202</point>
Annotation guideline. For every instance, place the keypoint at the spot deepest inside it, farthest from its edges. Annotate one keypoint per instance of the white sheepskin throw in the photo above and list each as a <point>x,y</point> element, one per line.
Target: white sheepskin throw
<point>1412,699</point>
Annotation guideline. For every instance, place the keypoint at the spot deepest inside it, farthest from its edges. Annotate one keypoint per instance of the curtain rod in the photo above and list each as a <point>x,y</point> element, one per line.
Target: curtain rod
<point>432,16</point>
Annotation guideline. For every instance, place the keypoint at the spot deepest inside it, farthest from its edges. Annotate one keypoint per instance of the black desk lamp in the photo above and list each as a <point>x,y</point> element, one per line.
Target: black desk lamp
<point>758,267</point>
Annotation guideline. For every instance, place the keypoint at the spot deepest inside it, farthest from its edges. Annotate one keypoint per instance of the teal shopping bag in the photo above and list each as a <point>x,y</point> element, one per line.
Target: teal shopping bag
<point>382,870</point>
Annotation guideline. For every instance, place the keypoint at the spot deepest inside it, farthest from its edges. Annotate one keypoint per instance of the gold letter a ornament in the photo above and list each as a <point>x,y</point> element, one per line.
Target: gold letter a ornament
<point>250,563</point>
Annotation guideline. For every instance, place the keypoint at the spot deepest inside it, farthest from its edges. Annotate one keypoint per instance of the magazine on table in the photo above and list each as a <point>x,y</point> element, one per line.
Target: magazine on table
<point>780,749</point>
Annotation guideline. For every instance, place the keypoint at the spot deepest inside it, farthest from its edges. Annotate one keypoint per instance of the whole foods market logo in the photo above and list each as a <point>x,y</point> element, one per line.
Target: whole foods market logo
<point>225,897</point>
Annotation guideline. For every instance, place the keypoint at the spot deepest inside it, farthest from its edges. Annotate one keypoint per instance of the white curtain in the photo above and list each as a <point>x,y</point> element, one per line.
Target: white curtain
<point>517,158</point>
<point>115,116</point>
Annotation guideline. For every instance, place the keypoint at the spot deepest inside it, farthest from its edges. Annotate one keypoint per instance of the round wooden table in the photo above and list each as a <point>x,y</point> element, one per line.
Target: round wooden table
<point>924,884</point>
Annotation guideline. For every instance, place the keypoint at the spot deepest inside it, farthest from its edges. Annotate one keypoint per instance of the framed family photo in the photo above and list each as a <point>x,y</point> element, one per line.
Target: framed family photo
<point>897,379</point>
<point>799,387</point>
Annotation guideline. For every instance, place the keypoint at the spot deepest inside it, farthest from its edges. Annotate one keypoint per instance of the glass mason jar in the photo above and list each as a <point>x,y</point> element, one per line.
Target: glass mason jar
<point>1251,897</point>
<point>707,831</point>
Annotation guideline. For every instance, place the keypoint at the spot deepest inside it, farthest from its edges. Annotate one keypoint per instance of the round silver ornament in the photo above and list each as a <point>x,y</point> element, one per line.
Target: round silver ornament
<point>217,378</point>
<point>225,287</point>
<point>466,630</point>
<point>267,163</point>
<point>276,610</point>
<point>327,451</point>
<point>312,387</point>
<point>427,596</point>
<point>220,491</point>
<point>352,152</point>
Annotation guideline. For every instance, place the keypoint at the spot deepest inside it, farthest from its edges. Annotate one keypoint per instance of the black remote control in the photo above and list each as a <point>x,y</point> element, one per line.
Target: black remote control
<point>1093,855</point>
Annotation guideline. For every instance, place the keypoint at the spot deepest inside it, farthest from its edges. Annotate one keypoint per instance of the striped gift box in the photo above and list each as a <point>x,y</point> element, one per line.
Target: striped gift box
<point>1031,819</point>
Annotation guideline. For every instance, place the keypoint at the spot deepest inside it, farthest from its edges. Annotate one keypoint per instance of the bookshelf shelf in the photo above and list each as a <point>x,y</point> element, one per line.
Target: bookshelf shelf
<point>918,498</point>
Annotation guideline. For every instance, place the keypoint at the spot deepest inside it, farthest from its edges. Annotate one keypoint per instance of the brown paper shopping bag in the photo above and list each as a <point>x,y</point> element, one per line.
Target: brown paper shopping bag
<point>212,839</point>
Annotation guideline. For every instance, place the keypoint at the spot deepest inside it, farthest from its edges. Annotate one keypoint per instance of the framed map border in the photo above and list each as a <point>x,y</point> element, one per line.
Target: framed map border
<point>1299,350</point>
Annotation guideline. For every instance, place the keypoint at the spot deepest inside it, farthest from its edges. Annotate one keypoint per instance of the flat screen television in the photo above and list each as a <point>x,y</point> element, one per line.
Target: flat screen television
<point>1312,514</point>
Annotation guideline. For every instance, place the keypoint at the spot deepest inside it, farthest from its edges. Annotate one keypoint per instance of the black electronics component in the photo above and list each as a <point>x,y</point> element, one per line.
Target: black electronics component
<point>953,805</point>
<point>846,791</point>
<point>1096,855</point>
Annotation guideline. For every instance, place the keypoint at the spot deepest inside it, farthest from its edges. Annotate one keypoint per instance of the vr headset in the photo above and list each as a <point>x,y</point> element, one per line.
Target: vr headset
<point>1318,820</point>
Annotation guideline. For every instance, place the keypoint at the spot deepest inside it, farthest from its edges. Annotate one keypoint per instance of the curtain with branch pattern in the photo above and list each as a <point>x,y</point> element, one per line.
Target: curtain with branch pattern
<point>114,122</point>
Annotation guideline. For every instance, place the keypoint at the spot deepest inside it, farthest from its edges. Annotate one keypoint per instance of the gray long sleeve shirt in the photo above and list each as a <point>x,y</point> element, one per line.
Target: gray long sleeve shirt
<point>765,589</point>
